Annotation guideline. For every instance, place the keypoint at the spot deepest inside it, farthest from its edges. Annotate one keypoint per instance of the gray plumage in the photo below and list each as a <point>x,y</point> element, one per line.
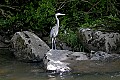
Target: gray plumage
<point>54,31</point>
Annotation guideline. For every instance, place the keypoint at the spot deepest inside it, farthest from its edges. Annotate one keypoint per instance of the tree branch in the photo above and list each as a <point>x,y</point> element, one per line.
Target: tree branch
<point>2,12</point>
<point>94,5</point>
<point>62,5</point>
<point>87,2</point>
<point>9,7</point>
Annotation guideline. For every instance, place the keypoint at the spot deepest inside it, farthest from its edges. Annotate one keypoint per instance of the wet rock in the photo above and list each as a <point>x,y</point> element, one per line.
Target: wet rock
<point>80,55</point>
<point>56,60</point>
<point>3,42</point>
<point>100,41</point>
<point>28,46</point>
<point>53,60</point>
<point>103,56</point>
<point>79,62</point>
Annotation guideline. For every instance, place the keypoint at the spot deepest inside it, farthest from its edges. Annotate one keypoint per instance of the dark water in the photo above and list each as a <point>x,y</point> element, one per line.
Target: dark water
<point>10,69</point>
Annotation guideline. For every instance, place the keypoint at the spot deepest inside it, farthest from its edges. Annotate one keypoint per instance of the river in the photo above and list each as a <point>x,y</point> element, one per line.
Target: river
<point>11,69</point>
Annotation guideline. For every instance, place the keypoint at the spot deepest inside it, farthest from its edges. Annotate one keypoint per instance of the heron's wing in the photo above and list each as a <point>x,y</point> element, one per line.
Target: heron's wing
<point>51,32</point>
<point>54,31</point>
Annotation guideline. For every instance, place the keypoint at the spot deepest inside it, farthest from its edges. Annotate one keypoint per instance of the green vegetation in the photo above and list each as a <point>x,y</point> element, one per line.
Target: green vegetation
<point>38,15</point>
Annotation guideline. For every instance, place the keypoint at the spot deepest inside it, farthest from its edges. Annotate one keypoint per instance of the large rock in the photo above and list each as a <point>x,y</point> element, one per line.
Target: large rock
<point>79,62</point>
<point>28,46</point>
<point>52,60</point>
<point>56,60</point>
<point>4,43</point>
<point>100,41</point>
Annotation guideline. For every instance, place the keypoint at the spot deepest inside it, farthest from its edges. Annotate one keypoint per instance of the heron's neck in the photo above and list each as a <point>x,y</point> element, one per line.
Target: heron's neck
<point>57,21</point>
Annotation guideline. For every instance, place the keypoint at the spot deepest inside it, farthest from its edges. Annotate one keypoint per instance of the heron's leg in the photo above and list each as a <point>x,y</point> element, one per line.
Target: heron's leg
<point>55,42</point>
<point>52,42</point>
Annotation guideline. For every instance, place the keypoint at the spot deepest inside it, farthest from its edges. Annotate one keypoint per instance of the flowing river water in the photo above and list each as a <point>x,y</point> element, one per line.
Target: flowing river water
<point>11,69</point>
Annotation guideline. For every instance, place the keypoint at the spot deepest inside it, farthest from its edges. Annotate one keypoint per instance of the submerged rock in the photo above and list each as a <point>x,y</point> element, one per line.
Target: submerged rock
<point>28,46</point>
<point>103,56</point>
<point>100,41</point>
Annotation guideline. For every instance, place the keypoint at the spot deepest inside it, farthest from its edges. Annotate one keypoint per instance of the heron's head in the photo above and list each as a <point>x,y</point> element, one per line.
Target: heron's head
<point>57,14</point>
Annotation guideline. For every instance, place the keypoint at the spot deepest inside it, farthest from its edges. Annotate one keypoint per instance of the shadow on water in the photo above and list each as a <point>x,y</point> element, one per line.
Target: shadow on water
<point>11,69</point>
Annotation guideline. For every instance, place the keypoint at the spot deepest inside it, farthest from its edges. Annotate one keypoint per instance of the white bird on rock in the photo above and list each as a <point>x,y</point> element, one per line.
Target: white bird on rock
<point>54,31</point>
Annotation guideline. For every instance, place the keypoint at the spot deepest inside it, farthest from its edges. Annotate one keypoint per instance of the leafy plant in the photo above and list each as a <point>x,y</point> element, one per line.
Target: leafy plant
<point>39,16</point>
<point>70,37</point>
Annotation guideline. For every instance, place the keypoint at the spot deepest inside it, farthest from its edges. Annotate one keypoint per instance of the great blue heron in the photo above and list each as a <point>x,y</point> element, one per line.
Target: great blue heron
<point>54,31</point>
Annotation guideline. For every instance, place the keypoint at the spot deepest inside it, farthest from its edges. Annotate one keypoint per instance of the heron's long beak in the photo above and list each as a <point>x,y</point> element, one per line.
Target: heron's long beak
<point>62,14</point>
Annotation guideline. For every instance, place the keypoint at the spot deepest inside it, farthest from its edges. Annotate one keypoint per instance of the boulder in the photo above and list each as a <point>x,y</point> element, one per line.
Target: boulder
<point>56,60</point>
<point>78,62</point>
<point>100,41</point>
<point>4,43</point>
<point>53,60</point>
<point>28,46</point>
